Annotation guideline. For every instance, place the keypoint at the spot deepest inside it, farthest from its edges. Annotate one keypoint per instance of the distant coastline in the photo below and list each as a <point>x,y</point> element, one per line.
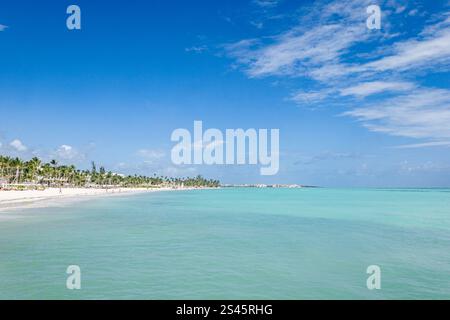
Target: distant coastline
<point>260,185</point>
<point>18,174</point>
<point>27,183</point>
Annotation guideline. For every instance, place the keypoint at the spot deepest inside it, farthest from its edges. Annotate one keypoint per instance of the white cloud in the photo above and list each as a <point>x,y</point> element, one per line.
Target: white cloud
<point>429,50</point>
<point>327,156</point>
<point>17,145</point>
<point>196,49</point>
<point>400,9</point>
<point>266,3</point>
<point>424,113</point>
<point>424,145</point>
<point>297,51</point>
<point>412,54</point>
<point>360,90</point>
<point>369,88</point>
<point>413,12</point>
<point>3,27</point>
<point>311,96</point>
<point>325,47</point>
<point>151,155</point>
<point>427,167</point>
<point>319,39</point>
<point>66,152</point>
<point>257,24</point>
<point>178,171</point>
<point>319,47</point>
<point>159,168</point>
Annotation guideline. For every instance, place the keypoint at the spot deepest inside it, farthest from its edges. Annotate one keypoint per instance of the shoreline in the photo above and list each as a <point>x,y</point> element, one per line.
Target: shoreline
<point>14,199</point>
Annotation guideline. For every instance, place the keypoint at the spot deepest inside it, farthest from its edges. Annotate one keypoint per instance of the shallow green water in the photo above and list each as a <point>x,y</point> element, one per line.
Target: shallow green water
<point>233,244</point>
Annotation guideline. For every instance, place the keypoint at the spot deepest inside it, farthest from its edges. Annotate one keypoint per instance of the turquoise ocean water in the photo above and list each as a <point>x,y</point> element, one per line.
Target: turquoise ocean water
<point>233,244</point>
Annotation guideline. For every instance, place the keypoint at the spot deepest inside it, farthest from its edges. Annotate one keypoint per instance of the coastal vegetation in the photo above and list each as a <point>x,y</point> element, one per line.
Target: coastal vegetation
<point>34,173</point>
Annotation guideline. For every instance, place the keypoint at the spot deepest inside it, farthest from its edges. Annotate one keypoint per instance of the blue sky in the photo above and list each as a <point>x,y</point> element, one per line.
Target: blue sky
<point>355,107</point>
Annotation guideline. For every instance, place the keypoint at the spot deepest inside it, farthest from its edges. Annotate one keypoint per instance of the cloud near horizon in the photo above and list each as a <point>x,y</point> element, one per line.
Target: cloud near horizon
<point>68,153</point>
<point>65,154</point>
<point>17,145</point>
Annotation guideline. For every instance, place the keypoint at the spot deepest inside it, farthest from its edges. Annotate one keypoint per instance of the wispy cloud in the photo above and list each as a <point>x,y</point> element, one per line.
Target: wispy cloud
<point>296,52</point>
<point>325,156</point>
<point>257,24</point>
<point>424,145</point>
<point>320,51</point>
<point>427,52</point>
<point>430,50</point>
<point>413,168</point>
<point>150,154</point>
<point>320,38</point>
<point>266,3</point>
<point>369,88</point>
<point>360,90</point>
<point>424,113</point>
<point>332,49</point>
<point>196,49</point>
<point>3,27</point>
<point>311,96</point>
<point>319,47</point>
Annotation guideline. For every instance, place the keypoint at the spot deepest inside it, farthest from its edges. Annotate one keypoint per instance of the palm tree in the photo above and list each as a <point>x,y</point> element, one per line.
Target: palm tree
<point>18,165</point>
<point>15,170</point>
<point>32,168</point>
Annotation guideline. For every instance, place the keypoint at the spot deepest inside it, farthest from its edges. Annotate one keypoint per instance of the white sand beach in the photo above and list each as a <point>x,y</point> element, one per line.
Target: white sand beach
<point>53,196</point>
